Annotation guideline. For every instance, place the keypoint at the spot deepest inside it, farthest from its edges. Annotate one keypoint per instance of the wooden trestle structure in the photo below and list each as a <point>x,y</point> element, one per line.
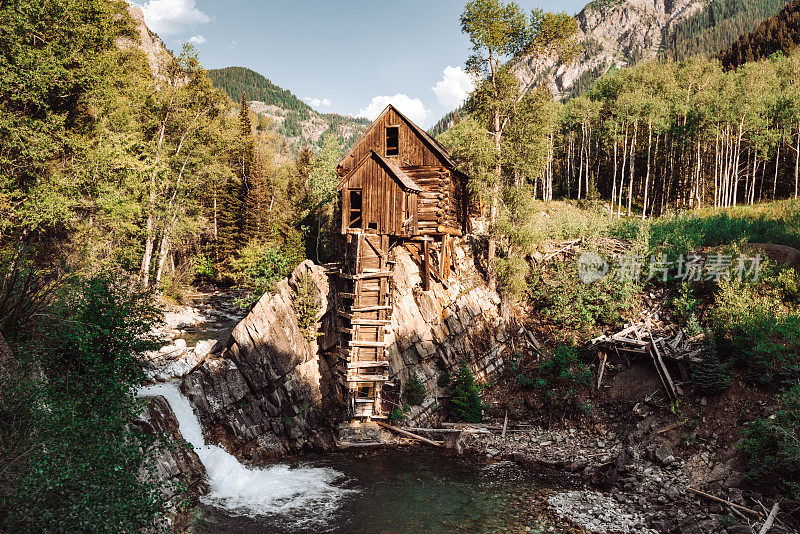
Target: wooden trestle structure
<point>398,186</point>
<point>365,319</point>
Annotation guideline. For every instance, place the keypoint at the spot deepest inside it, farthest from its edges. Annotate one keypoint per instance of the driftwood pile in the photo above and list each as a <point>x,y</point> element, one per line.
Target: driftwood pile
<point>608,246</point>
<point>655,337</point>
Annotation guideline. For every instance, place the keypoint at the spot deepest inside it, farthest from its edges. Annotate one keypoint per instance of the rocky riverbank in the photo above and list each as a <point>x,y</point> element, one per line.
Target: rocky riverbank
<point>634,484</point>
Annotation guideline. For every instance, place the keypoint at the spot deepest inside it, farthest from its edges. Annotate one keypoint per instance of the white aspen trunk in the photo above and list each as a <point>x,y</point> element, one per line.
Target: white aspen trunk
<point>753,178</point>
<point>163,253</point>
<point>622,171</point>
<point>697,175</point>
<point>614,177</point>
<point>632,161</point>
<point>647,175</point>
<point>716,171</point>
<point>777,163</point>
<point>580,170</point>
<point>796,160</point>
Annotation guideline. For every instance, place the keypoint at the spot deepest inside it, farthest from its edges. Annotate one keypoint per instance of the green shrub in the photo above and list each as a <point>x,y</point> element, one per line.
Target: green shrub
<point>788,282</point>
<point>564,299</point>
<point>693,327</point>
<point>684,303</point>
<point>773,446</point>
<point>81,470</point>
<point>761,335</point>
<point>523,381</point>
<point>465,400</point>
<point>511,272</point>
<point>205,270</point>
<point>444,379</point>
<point>414,393</point>
<point>257,269</point>
<point>399,414</point>
<point>561,377</point>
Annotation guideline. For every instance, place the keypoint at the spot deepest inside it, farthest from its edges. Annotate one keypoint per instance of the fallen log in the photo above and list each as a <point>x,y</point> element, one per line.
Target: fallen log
<point>409,434</point>
<point>601,370</point>
<point>770,519</point>
<point>566,246</point>
<point>723,501</point>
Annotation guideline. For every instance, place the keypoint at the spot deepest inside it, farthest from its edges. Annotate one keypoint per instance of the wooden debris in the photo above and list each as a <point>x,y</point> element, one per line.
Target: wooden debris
<point>408,434</point>
<point>770,519</point>
<point>601,369</point>
<point>663,372</point>
<point>723,501</point>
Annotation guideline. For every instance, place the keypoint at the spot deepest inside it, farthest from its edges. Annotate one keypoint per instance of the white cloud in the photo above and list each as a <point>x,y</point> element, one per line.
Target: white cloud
<point>317,102</point>
<point>168,17</point>
<point>413,107</point>
<point>454,87</point>
<point>197,39</point>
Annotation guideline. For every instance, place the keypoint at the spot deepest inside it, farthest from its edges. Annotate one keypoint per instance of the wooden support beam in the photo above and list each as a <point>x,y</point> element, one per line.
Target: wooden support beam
<point>367,378</point>
<point>455,232</point>
<point>363,365</point>
<point>410,434</point>
<point>663,373</point>
<point>426,267</point>
<point>359,343</point>
<point>369,308</point>
<point>371,322</point>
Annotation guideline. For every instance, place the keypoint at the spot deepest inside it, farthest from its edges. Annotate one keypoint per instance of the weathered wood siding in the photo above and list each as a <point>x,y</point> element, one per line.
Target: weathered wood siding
<point>385,205</point>
<point>440,202</point>
<point>413,150</point>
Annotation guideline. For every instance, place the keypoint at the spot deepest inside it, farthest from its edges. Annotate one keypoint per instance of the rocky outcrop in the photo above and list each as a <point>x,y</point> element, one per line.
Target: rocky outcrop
<point>275,391</point>
<point>175,463</point>
<point>271,392</point>
<point>436,331</point>
<point>148,42</point>
<point>610,33</point>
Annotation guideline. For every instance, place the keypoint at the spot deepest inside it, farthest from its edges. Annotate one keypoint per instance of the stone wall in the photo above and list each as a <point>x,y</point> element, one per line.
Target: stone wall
<point>271,392</point>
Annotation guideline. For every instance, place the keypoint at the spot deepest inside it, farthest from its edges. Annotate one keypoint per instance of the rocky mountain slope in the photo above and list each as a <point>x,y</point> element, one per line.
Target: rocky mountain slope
<point>619,33</point>
<point>292,118</point>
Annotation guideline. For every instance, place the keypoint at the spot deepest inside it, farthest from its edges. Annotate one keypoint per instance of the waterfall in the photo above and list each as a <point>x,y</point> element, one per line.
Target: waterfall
<point>301,495</point>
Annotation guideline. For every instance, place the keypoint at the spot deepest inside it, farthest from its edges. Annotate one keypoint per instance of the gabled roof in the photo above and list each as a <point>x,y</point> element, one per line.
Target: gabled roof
<point>405,180</point>
<point>432,143</point>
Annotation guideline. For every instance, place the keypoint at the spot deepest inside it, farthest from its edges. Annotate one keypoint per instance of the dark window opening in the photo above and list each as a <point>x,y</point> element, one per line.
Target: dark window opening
<point>392,140</point>
<point>355,208</point>
<point>373,226</point>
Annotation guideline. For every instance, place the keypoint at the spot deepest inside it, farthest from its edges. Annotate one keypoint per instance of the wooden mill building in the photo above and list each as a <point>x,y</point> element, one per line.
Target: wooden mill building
<point>399,187</point>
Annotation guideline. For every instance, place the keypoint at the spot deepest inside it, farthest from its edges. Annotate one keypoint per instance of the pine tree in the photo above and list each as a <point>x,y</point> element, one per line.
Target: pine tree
<point>710,374</point>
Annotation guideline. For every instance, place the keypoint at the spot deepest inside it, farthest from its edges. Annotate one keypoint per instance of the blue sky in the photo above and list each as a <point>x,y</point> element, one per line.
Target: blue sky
<point>344,56</point>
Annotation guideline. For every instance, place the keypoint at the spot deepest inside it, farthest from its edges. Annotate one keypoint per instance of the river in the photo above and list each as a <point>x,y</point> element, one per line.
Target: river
<point>400,491</point>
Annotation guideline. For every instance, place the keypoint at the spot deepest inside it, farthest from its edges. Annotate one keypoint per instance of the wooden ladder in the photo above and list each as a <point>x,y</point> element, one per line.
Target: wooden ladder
<point>365,322</point>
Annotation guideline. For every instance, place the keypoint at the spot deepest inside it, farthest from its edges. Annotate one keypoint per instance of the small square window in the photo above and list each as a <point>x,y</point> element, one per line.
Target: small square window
<point>392,140</point>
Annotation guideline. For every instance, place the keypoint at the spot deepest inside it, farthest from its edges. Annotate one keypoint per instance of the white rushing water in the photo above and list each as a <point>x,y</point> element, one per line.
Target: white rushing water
<point>301,495</point>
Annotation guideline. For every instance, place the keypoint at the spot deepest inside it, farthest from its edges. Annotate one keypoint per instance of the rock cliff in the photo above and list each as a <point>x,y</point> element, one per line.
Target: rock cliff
<point>148,42</point>
<point>177,465</point>
<point>611,33</point>
<point>272,392</point>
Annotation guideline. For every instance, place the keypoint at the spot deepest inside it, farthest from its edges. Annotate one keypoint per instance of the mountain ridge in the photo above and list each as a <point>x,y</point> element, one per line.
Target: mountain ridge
<point>296,121</point>
<point>621,33</point>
